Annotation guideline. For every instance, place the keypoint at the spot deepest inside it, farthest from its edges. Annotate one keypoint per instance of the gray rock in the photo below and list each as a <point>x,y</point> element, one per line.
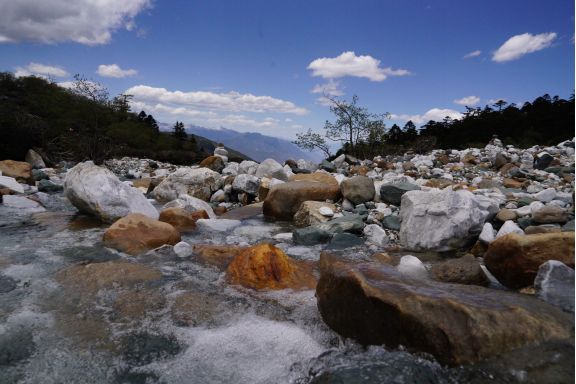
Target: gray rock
<point>349,223</point>
<point>246,183</point>
<point>392,193</point>
<point>391,222</point>
<point>443,220</point>
<point>358,189</point>
<point>196,182</point>
<point>270,168</point>
<point>34,159</point>
<point>310,236</point>
<point>344,241</point>
<point>11,183</point>
<point>554,284</point>
<point>49,187</point>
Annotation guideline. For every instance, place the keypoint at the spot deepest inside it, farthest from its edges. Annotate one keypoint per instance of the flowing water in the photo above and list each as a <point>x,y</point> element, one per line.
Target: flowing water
<point>190,326</point>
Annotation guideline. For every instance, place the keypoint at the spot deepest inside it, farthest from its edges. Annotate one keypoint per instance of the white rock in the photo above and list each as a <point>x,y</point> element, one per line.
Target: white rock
<point>339,161</point>
<point>220,151</point>
<point>509,227</point>
<point>197,182</point>
<point>246,183</point>
<point>183,249</point>
<point>22,202</point>
<point>442,220</point>
<point>272,169</point>
<point>192,204</point>
<point>231,169</point>
<point>247,166</point>
<point>96,190</point>
<point>554,283</point>
<point>376,235</point>
<point>161,172</point>
<point>285,236</point>
<point>412,266</point>
<point>218,197</point>
<point>217,225</point>
<point>546,195</point>
<point>306,164</point>
<point>488,233</point>
<point>11,183</point>
<point>326,211</point>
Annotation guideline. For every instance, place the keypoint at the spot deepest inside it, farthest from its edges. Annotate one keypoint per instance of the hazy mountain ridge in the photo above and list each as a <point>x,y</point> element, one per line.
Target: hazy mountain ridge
<point>256,145</point>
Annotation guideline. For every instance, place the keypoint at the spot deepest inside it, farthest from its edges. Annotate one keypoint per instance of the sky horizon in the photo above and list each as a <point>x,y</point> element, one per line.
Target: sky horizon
<point>261,66</point>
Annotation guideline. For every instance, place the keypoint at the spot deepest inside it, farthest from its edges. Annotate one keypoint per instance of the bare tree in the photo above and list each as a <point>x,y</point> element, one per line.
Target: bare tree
<point>311,140</point>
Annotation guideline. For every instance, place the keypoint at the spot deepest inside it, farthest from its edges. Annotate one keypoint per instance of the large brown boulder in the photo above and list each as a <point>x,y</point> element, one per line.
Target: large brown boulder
<point>284,200</point>
<point>137,233</point>
<point>458,324</point>
<point>266,267</point>
<point>182,219</point>
<point>20,170</point>
<point>514,259</point>
<point>358,189</point>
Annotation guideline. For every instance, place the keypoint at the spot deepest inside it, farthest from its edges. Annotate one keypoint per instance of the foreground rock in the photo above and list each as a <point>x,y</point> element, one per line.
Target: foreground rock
<point>267,267</point>
<point>97,191</point>
<point>554,283</point>
<point>442,220</point>
<point>458,324</point>
<point>514,259</point>
<point>136,233</point>
<point>284,200</point>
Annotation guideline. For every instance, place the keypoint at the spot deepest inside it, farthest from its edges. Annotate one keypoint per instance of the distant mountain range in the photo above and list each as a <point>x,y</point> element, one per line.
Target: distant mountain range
<point>255,145</point>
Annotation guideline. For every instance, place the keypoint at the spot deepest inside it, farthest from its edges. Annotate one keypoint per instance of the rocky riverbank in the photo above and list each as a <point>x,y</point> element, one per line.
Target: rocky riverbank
<point>459,257</point>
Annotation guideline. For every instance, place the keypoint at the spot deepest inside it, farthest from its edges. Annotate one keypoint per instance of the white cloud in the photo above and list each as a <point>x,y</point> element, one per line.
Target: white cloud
<point>348,64</point>
<point>468,100</point>
<point>229,101</point>
<point>114,70</point>
<point>472,54</point>
<point>88,22</point>
<point>520,45</point>
<point>40,70</point>
<point>436,114</point>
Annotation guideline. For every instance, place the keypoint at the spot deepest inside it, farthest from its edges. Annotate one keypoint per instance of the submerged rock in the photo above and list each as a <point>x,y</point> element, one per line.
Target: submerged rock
<point>464,270</point>
<point>97,191</point>
<point>136,233</point>
<point>458,324</point>
<point>514,259</point>
<point>266,267</point>
<point>442,220</point>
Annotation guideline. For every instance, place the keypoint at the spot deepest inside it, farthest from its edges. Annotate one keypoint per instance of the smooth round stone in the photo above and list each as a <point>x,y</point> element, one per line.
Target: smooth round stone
<point>326,211</point>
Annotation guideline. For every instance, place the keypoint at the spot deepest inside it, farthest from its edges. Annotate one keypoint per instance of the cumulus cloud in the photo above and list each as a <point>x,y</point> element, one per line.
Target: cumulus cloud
<point>348,64</point>
<point>520,45</point>
<point>468,100</point>
<point>436,114</point>
<point>472,54</point>
<point>229,101</point>
<point>40,70</point>
<point>114,70</point>
<point>90,22</point>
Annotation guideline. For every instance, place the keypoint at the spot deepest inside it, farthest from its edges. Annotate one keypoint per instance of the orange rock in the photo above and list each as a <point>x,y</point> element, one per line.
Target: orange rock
<point>137,233</point>
<point>20,170</point>
<point>266,267</point>
<point>214,163</point>
<point>181,219</point>
<point>319,177</point>
<point>511,183</point>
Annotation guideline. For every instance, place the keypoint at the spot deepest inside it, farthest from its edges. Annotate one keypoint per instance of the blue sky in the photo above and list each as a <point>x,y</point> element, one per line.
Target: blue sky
<point>263,66</point>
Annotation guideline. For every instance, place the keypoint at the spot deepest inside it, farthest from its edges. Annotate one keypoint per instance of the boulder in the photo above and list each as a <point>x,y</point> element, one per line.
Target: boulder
<point>97,191</point>
<point>20,170</point>
<point>191,204</point>
<point>137,233</point>
<point>284,200</point>
<point>246,183</point>
<point>214,163</point>
<point>311,212</point>
<point>358,189</point>
<point>196,182</point>
<point>182,219</point>
<point>554,284</point>
<point>464,270</point>
<point>392,193</point>
<point>442,220</point>
<point>220,151</point>
<point>550,214</point>
<point>266,267</point>
<point>514,259</point>
<point>247,166</point>
<point>458,324</point>
<point>376,235</point>
<point>272,169</point>
<point>34,159</point>
<point>11,184</point>
<point>412,267</point>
